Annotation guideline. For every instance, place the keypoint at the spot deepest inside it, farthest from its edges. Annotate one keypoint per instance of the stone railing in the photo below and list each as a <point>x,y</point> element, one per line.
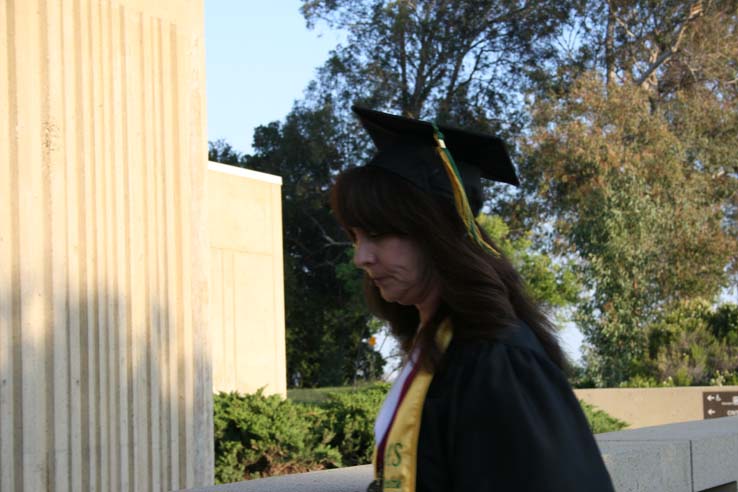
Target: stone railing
<point>698,456</point>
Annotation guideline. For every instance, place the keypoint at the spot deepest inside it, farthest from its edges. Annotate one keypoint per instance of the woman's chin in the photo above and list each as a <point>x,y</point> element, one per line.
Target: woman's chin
<point>388,295</point>
<point>387,298</point>
<point>394,297</point>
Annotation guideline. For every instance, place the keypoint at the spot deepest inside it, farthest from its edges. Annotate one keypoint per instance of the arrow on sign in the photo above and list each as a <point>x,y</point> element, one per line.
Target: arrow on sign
<point>711,412</point>
<point>713,397</point>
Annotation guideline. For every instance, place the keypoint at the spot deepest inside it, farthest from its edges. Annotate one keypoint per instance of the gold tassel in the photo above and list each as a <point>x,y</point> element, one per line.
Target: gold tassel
<point>460,199</point>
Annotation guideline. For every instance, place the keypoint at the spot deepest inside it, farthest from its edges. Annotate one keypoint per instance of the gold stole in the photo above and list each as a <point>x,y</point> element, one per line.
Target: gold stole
<point>400,456</point>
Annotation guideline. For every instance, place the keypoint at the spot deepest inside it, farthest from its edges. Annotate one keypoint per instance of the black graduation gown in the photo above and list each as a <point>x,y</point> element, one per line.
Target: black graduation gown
<point>499,416</point>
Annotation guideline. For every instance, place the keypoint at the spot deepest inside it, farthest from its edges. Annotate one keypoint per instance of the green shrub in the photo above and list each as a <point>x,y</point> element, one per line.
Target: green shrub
<point>600,421</point>
<point>724,378</point>
<point>647,382</point>
<point>351,417</point>
<point>693,344</point>
<point>257,435</point>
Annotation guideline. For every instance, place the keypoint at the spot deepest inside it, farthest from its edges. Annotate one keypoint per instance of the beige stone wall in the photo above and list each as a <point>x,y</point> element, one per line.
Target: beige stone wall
<point>105,378</point>
<point>644,407</point>
<point>246,280</point>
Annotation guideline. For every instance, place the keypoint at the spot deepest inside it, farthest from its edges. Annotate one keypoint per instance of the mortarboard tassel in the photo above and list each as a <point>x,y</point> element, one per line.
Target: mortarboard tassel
<point>460,198</point>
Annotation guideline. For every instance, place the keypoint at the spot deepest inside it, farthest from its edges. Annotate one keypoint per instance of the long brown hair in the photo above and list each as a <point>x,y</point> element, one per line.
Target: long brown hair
<point>481,293</point>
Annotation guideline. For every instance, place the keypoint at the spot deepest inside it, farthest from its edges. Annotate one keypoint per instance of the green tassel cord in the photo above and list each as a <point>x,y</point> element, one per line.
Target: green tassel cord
<point>460,199</point>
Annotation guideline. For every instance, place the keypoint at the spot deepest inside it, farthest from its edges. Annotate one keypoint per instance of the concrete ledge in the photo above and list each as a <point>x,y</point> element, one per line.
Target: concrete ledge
<point>713,445</point>
<point>698,456</point>
<point>351,479</point>
<point>648,466</point>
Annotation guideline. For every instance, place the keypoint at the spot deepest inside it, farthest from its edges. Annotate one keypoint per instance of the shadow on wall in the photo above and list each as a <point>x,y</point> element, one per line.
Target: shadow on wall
<point>105,378</point>
<point>100,391</point>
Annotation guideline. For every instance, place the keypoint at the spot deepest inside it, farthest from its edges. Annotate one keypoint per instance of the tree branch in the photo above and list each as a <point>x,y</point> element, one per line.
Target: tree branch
<point>622,23</point>
<point>512,14</point>
<point>403,60</point>
<point>610,43</point>
<point>695,11</point>
<point>328,239</point>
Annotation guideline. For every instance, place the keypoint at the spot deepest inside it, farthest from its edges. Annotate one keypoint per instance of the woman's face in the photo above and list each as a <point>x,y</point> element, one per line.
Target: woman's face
<point>394,263</point>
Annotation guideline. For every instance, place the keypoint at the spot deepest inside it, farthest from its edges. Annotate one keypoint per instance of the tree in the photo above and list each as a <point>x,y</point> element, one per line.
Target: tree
<point>631,158</point>
<point>693,343</point>
<point>454,60</point>
<point>221,151</point>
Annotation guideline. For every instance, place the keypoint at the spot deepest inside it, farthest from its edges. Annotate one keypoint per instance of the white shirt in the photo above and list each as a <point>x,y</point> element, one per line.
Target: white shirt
<point>384,418</point>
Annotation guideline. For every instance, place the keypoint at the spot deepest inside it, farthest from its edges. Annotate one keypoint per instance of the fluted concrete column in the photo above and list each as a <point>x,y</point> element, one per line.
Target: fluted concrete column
<point>105,378</point>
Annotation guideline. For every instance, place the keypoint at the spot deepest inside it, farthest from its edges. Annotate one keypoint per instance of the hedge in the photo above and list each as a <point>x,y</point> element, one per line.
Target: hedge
<point>258,436</point>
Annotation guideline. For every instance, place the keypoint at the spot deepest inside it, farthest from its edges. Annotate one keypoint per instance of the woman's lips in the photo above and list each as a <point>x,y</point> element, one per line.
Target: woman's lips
<point>379,280</point>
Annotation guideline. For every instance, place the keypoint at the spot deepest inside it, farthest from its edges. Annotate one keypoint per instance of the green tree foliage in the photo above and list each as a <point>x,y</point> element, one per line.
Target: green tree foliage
<point>632,158</point>
<point>694,344</point>
<point>632,206</point>
<point>221,151</point>
<point>457,60</point>
<point>553,284</point>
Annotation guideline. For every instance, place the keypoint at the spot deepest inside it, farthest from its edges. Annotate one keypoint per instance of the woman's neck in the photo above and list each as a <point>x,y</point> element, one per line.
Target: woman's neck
<point>429,306</point>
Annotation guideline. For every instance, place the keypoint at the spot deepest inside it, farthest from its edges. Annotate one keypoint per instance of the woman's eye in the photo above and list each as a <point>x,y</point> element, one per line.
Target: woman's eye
<point>357,234</point>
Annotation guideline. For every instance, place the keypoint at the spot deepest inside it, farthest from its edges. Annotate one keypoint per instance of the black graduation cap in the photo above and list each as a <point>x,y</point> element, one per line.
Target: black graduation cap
<point>408,148</point>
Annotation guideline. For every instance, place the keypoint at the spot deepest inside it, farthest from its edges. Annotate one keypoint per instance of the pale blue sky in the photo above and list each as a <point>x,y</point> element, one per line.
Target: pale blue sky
<point>260,58</point>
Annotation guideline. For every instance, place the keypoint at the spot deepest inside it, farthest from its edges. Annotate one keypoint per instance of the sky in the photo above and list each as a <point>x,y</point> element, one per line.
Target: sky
<point>260,57</point>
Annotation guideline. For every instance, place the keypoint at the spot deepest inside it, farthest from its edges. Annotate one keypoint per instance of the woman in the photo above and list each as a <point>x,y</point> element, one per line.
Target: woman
<point>482,403</point>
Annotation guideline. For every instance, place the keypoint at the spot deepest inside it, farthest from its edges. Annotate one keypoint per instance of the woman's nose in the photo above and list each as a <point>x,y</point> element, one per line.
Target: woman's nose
<point>363,255</point>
